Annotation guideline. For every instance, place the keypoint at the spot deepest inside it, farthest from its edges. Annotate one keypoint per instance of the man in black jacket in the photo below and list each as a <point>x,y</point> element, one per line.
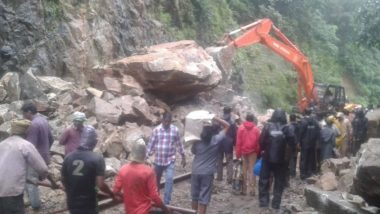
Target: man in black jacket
<point>309,134</point>
<point>359,130</point>
<point>273,143</point>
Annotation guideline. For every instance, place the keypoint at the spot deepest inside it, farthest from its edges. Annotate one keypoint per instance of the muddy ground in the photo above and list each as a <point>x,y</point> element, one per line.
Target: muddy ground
<point>223,200</point>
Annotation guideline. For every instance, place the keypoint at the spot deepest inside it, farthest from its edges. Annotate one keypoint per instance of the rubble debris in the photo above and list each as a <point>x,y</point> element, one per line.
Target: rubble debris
<point>332,202</point>
<point>334,165</point>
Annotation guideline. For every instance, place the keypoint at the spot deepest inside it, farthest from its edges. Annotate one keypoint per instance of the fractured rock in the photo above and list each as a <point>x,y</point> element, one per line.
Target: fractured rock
<point>3,93</point>
<point>125,104</point>
<point>94,92</point>
<point>345,182</point>
<point>54,84</point>
<point>112,166</point>
<point>367,174</point>
<point>11,84</point>
<point>5,129</point>
<point>142,109</point>
<point>373,123</point>
<point>104,111</point>
<point>112,84</point>
<point>31,87</point>
<point>107,96</point>
<point>3,111</point>
<point>112,140</point>
<point>328,181</point>
<point>335,165</point>
<point>331,202</point>
<point>131,86</point>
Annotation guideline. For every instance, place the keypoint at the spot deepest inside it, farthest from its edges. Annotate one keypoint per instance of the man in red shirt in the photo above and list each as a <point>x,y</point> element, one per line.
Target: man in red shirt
<point>247,147</point>
<point>137,181</point>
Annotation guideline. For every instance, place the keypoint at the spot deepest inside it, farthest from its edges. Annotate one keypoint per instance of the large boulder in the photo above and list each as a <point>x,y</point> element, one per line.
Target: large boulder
<point>31,87</point>
<point>367,176</point>
<point>373,123</point>
<point>11,84</point>
<point>172,71</point>
<point>54,84</point>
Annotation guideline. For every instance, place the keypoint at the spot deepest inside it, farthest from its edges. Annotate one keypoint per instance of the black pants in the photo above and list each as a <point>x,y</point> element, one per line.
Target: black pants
<point>12,205</point>
<point>278,171</point>
<point>293,163</point>
<point>308,162</point>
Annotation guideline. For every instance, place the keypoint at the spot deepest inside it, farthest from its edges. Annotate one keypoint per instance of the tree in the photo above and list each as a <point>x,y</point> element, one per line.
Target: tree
<point>369,17</point>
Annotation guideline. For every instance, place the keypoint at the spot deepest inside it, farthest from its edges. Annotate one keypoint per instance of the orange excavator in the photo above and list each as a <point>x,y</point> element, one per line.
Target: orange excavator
<point>324,97</point>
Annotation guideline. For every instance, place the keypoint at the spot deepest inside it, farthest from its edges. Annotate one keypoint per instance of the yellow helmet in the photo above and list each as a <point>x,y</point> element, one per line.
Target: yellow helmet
<point>330,119</point>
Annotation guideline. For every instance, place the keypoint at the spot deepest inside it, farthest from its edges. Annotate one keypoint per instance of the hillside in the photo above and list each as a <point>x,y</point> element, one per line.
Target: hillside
<point>69,38</point>
<point>326,31</point>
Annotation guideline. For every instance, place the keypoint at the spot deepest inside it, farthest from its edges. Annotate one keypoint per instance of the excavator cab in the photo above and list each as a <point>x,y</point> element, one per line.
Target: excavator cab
<point>331,97</point>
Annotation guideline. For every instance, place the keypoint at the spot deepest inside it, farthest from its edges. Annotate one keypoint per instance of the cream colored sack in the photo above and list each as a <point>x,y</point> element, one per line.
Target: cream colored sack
<point>194,123</point>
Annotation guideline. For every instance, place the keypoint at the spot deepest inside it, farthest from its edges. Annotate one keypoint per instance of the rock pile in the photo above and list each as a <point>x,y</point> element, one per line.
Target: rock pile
<point>348,185</point>
<point>124,100</point>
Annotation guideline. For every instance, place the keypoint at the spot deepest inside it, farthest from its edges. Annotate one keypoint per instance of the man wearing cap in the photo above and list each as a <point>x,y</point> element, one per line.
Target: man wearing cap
<point>137,183</point>
<point>164,142</point>
<point>71,136</point>
<point>82,171</point>
<point>16,155</point>
<point>40,136</point>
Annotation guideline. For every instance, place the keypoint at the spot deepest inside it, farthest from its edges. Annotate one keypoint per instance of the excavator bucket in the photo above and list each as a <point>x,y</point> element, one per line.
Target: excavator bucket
<point>223,56</point>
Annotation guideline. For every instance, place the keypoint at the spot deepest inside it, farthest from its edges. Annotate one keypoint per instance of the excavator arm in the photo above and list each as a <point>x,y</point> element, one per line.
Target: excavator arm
<point>259,32</point>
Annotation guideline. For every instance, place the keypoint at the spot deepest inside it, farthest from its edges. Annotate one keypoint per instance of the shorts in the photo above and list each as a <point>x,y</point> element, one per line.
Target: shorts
<point>201,188</point>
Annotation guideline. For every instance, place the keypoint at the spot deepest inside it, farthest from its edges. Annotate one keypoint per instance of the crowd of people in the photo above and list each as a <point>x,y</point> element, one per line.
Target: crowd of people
<point>24,158</point>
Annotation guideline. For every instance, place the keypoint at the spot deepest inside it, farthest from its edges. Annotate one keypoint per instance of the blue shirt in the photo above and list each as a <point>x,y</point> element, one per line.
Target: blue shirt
<point>206,154</point>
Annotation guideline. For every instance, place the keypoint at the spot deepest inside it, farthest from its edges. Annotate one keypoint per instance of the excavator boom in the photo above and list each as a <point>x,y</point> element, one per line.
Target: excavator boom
<point>259,32</point>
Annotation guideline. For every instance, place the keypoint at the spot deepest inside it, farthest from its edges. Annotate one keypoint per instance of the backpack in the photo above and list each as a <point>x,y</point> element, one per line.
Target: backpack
<point>277,143</point>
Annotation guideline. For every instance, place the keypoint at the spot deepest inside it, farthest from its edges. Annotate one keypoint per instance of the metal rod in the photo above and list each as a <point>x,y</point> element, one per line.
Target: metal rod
<point>108,203</point>
<point>176,179</point>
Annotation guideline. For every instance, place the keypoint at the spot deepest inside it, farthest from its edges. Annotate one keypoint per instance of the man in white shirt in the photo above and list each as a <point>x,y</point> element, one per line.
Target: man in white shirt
<point>16,155</point>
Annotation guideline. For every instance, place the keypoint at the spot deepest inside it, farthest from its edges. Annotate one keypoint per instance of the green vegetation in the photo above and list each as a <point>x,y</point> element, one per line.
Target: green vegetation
<point>326,31</point>
<point>53,9</point>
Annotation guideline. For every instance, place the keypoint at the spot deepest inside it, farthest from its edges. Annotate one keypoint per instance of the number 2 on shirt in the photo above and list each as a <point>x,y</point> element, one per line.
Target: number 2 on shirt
<point>79,166</point>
